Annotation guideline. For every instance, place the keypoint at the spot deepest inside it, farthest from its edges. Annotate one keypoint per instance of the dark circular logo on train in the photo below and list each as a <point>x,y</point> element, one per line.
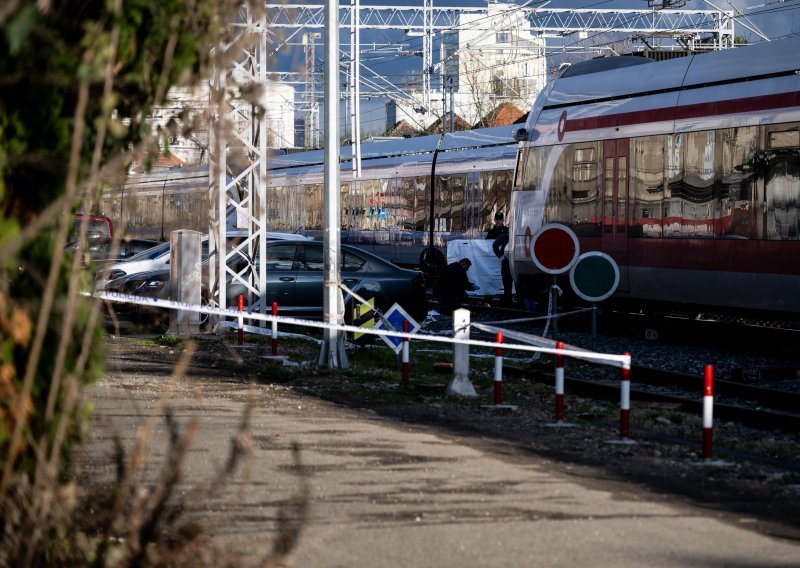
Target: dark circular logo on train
<point>528,237</point>
<point>562,125</point>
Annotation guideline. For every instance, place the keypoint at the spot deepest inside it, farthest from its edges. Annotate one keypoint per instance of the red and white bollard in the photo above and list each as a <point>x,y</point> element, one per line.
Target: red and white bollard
<point>404,379</point>
<point>625,401</point>
<point>241,319</point>
<point>498,370</point>
<point>708,412</point>
<point>559,383</point>
<point>274,329</point>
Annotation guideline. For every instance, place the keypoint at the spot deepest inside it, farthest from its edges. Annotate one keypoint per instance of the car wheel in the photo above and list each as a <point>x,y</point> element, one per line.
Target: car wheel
<point>431,262</point>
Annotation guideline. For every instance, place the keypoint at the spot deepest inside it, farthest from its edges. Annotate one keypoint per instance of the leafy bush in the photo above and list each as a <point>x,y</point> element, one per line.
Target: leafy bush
<point>78,80</point>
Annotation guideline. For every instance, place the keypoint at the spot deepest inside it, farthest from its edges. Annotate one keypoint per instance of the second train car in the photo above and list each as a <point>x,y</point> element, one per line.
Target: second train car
<point>388,210</point>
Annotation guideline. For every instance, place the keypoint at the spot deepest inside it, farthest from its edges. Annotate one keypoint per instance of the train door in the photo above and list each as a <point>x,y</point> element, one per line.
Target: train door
<point>615,204</point>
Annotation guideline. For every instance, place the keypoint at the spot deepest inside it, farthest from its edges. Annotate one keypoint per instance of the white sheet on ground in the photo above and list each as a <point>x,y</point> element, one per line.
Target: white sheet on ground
<point>485,269</point>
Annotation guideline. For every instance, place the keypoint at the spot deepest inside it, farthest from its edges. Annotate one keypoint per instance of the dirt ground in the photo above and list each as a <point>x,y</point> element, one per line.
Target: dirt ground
<point>741,488</point>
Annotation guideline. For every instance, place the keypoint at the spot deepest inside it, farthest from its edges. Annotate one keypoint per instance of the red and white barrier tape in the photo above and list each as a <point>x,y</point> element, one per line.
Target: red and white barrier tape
<point>617,360</point>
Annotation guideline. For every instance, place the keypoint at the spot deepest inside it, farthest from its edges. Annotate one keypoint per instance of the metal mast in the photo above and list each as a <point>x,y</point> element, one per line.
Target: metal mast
<point>427,52</point>
<point>237,163</point>
<point>312,107</point>
<point>355,86</point>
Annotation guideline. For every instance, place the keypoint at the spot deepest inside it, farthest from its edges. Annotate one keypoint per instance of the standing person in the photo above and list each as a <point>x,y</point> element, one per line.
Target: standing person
<point>499,235</point>
<point>452,285</point>
<point>498,228</point>
<point>499,249</point>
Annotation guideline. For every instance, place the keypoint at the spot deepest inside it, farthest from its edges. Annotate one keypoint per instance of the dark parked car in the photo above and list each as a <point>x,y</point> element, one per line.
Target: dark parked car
<point>294,280</point>
<point>99,250</point>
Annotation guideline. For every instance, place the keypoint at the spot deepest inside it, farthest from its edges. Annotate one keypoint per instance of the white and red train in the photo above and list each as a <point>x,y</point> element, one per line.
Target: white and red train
<point>686,172</point>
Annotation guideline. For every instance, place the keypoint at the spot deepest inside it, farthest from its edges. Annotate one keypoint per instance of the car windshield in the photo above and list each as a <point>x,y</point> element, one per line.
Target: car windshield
<point>151,253</point>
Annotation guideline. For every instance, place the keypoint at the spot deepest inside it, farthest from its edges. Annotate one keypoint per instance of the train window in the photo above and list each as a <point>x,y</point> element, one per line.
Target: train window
<point>647,186</point>
<point>693,195</point>
<point>559,205</point>
<point>394,201</point>
<point>309,214</point>
<point>518,170</point>
<point>783,196</point>
<point>495,186</point>
<point>784,139</point>
<point>622,193</point>
<point>421,203</point>
<point>608,195</point>
<point>738,176</point>
<point>585,196</point>
<point>458,187</point>
<point>409,200</point>
<point>535,163</point>
<point>346,205</point>
<point>443,204</point>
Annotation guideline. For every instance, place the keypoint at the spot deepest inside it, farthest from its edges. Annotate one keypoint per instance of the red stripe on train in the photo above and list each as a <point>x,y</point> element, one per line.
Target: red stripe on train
<point>715,108</point>
<point>723,255</point>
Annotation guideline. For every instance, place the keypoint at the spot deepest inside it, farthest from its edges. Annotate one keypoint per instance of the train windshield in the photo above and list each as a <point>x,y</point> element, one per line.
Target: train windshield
<point>533,172</point>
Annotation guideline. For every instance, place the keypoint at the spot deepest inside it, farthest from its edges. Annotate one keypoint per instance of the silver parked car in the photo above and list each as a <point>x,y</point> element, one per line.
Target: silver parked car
<point>157,258</point>
<point>294,281</point>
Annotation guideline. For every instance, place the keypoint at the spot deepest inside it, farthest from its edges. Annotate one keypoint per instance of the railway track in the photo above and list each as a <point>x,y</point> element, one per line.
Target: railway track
<point>757,407</point>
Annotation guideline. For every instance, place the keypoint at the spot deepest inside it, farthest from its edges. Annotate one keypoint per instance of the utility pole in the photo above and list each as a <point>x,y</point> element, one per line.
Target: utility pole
<point>332,354</point>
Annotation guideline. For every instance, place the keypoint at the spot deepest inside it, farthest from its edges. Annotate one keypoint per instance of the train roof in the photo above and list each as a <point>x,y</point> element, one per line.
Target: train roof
<point>606,99</point>
<point>476,138</point>
<point>718,66</point>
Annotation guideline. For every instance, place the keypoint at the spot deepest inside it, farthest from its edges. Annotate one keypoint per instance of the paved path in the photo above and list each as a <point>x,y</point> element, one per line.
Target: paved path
<point>389,494</point>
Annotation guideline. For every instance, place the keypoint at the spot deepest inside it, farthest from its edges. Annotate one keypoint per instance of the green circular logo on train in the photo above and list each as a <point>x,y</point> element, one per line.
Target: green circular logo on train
<point>595,276</point>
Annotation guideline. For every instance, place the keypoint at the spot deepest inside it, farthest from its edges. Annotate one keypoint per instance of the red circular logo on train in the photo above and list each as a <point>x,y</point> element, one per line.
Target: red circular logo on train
<point>555,248</point>
<point>562,125</point>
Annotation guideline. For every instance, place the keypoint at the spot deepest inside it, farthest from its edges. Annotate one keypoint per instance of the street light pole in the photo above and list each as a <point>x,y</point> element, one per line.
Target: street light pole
<point>332,354</point>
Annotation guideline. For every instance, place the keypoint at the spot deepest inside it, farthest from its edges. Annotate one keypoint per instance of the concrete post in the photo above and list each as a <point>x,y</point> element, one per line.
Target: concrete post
<point>185,280</point>
<point>460,385</point>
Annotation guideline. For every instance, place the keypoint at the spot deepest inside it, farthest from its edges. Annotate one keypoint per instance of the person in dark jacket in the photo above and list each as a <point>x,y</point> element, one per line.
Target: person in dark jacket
<point>452,285</point>
<point>499,227</point>
<point>499,235</point>
<point>499,249</point>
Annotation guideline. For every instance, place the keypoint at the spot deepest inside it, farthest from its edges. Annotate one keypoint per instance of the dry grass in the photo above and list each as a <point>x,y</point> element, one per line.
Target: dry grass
<point>134,521</point>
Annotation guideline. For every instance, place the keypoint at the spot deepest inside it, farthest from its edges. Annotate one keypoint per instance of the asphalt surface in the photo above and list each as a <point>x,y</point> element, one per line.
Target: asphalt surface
<point>387,493</point>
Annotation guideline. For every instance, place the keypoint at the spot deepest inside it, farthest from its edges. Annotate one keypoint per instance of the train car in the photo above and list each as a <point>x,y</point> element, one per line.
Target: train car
<point>151,205</point>
<point>388,209</point>
<point>686,172</point>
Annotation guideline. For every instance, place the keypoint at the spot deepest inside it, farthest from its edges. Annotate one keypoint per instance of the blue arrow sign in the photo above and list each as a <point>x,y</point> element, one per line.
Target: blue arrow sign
<point>395,317</point>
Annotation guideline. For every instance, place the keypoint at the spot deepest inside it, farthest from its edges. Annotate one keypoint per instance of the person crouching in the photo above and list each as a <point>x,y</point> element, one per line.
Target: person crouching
<point>452,285</point>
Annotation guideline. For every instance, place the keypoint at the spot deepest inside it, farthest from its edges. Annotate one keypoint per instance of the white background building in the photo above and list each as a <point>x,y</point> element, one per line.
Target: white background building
<point>479,70</point>
<point>190,144</point>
